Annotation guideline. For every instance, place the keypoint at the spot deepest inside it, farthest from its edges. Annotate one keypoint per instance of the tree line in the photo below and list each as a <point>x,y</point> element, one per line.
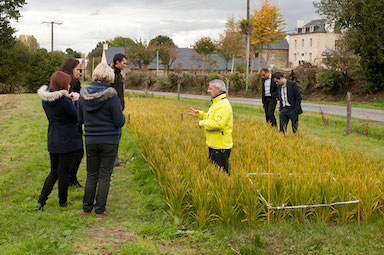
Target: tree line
<point>25,66</point>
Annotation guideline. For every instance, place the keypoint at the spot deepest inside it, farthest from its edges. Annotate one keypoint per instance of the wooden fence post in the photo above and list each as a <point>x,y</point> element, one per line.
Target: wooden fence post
<point>178,90</point>
<point>349,113</point>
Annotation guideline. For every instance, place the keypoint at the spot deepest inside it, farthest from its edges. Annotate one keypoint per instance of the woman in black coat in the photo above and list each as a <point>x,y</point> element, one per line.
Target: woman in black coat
<point>72,67</point>
<point>63,136</point>
<point>100,110</point>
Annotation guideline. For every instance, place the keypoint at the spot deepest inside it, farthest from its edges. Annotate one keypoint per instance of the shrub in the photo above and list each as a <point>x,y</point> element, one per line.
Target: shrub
<point>136,79</point>
<point>237,81</point>
<point>306,77</point>
<point>328,80</point>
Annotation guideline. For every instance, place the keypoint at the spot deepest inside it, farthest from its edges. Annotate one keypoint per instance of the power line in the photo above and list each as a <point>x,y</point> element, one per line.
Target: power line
<point>52,23</point>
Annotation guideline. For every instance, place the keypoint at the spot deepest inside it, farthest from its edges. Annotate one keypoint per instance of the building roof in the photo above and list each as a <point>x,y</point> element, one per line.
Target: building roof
<point>188,59</point>
<point>280,45</point>
<point>111,52</point>
<point>314,26</point>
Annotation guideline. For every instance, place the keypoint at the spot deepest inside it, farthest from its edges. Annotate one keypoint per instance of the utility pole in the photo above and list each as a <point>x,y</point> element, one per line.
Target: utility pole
<point>248,36</point>
<point>157,62</point>
<point>52,23</point>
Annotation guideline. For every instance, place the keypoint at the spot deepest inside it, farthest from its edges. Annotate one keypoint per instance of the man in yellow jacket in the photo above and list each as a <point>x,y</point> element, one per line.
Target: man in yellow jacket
<point>217,124</point>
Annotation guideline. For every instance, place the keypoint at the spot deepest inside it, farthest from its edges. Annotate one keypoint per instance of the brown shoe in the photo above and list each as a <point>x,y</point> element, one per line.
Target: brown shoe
<point>82,212</point>
<point>102,215</point>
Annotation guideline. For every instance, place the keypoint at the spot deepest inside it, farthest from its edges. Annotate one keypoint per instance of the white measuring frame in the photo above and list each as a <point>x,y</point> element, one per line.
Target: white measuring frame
<point>282,207</point>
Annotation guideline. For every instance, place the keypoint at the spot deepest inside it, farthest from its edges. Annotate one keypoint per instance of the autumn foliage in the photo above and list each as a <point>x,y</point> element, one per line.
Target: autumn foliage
<point>267,24</point>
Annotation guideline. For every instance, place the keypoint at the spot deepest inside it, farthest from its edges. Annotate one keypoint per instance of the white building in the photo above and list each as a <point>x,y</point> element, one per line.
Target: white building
<point>310,41</point>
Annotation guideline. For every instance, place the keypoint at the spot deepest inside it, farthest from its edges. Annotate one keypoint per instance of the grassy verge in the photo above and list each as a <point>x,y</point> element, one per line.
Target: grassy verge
<point>379,104</point>
<point>137,224</point>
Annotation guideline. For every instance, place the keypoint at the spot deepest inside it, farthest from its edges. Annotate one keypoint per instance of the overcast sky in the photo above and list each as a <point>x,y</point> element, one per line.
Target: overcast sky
<point>87,22</point>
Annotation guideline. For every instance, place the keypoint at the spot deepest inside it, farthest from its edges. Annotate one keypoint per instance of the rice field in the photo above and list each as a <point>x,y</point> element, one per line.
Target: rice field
<point>303,171</point>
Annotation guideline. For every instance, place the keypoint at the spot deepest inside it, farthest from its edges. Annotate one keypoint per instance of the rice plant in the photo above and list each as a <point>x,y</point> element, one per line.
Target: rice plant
<point>304,171</point>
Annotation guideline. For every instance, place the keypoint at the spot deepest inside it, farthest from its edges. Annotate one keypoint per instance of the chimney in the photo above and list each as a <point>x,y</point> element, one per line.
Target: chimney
<point>105,46</point>
<point>300,23</point>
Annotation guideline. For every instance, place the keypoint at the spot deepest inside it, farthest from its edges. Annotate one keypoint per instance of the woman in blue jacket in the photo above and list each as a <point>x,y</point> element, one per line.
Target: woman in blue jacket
<point>100,110</point>
<point>63,136</point>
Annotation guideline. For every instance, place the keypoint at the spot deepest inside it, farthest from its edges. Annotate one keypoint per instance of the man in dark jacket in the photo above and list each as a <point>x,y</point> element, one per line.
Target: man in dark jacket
<point>119,63</point>
<point>268,96</point>
<point>290,102</point>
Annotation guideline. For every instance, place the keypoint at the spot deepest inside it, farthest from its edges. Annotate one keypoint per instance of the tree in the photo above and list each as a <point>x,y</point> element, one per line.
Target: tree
<point>141,54</point>
<point>362,22</point>
<point>94,57</point>
<point>168,51</point>
<point>15,66</point>
<point>73,53</point>
<point>205,47</point>
<point>120,41</point>
<point>29,41</point>
<point>8,11</point>
<point>267,26</point>
<point>231,43</point>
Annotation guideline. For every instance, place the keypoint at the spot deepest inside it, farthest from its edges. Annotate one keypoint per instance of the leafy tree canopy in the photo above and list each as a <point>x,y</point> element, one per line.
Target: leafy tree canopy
<point>362,21</point>
<point>8,11</point>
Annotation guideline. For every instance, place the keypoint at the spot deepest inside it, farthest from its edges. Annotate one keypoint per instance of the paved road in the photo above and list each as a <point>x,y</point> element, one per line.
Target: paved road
<point>357,113</point>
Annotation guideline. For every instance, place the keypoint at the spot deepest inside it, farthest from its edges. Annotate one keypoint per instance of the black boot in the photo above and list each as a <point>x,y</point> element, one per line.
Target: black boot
<point>39,207</point>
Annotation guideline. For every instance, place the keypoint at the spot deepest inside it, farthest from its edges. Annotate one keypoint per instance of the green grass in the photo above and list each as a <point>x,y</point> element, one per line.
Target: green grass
<point>137,223</point>
<point>378,104</point>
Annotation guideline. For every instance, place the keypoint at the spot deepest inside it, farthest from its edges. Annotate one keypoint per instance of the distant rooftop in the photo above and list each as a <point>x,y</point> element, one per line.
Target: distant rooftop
<point>314,26</point>
<point>188,59</point>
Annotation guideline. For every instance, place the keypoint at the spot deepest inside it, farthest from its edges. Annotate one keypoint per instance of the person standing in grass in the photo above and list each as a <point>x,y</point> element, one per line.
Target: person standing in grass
<point>119,63</point>
<point>217,124</point>
<point>100,111</point>
<point>268,96</point>
<point>290,102</point>
<point>72,67</point>
<point>63,136</point>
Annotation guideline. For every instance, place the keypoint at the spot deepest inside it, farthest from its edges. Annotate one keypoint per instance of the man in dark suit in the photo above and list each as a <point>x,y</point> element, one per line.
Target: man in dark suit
<point>119,64</point>
<point>290,102</point>
<point>268,96</point>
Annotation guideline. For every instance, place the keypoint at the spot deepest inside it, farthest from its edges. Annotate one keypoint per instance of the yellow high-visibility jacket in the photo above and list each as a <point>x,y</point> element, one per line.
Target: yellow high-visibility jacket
<point>218,123</point>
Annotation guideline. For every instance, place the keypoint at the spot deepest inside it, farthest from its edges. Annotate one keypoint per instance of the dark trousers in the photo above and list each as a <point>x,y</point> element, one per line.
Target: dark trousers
<point>220,157</point>
<point>286,114</point>
<point>100,162</point>
<point>75,166</point>
<point>269,108</point>
<point>60,166</point>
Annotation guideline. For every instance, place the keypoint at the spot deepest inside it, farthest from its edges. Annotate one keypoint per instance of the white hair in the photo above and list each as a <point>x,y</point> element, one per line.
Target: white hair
<point>219,84</point>
<point>104,73</point>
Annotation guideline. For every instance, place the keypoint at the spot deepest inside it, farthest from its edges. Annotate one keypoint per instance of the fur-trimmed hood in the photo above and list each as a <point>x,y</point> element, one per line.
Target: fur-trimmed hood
<point>51,96</point>
<point>96,95</point>
<point>97,92</point>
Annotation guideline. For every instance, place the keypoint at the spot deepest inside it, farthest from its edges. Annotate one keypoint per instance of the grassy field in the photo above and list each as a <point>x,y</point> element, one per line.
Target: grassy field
<point>137,223</point>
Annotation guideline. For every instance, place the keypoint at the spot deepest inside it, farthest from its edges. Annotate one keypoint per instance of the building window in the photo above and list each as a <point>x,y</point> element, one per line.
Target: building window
<point>302,56</point>
<point>302,43</point>
<point>337,44</point>
<point>295,43</point>
<point>324,59</point>
<point>272,55</point>
<point>310,42</point>
<point>294,56</point>
<point>310,57</point>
